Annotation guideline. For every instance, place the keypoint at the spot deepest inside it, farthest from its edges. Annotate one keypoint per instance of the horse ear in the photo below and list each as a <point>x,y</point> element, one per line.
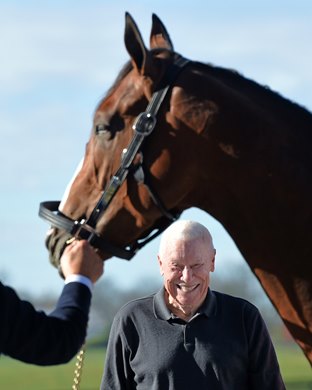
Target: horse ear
<point>159,35</point>
<point>134,44</point>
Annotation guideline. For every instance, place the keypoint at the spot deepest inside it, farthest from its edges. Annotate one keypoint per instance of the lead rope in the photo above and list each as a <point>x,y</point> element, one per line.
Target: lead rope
<point>79,365</point>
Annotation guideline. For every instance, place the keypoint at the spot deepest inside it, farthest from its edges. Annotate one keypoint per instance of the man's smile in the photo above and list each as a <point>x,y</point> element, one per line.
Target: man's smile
<point>186,288</point>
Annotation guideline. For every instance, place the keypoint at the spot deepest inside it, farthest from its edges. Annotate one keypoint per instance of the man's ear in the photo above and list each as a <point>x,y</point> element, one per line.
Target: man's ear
<point>213,262</point>
<point>160,265</point>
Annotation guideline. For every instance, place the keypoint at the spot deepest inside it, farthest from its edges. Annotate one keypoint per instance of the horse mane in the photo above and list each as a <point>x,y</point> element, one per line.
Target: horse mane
<point>264,95</point>
<point>291,112</point>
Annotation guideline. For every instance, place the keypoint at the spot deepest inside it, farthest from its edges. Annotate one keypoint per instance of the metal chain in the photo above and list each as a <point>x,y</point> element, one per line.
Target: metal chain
<point>79,365</point>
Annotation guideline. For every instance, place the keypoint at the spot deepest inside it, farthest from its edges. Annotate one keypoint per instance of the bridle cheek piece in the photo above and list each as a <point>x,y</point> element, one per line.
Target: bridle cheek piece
<point>143,126</point>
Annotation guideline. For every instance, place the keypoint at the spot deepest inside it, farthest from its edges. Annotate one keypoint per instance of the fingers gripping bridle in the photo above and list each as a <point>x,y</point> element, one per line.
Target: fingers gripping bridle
<point>85,228</point>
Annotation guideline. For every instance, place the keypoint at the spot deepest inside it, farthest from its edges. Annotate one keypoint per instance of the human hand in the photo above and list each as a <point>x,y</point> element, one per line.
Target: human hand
<point>80,258</point>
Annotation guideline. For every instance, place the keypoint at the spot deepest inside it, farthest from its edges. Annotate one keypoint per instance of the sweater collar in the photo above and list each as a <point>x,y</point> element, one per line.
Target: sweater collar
<point>161,311</point>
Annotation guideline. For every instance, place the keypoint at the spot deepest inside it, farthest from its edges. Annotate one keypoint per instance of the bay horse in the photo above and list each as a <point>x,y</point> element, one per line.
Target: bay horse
<point>209,138</point>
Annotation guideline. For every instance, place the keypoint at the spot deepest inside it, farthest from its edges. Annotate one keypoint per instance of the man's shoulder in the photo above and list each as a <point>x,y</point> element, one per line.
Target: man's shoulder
<point>234,301</point>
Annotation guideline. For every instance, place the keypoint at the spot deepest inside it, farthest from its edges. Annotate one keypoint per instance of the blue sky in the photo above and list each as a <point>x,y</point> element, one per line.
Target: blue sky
<point>57,60</point>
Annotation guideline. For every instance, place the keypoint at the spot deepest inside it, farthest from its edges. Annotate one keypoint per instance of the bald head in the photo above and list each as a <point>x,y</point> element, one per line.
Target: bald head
<point>184,230</point>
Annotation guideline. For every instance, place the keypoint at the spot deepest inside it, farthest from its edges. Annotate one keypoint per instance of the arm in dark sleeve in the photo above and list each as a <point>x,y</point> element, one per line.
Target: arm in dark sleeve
<point>118,374</point>
<point>263,369</point>
<point>35,337</point>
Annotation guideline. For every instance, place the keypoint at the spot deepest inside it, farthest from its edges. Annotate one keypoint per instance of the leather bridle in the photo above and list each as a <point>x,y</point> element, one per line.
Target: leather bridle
<point>143,126</point>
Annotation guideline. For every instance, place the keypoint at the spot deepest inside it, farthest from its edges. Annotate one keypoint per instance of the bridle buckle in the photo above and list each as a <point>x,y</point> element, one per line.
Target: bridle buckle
<point>81,230</point>
<point>144,123</point>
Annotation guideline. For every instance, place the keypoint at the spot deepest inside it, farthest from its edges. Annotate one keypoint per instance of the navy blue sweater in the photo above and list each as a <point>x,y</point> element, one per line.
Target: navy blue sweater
<point>226,345</point>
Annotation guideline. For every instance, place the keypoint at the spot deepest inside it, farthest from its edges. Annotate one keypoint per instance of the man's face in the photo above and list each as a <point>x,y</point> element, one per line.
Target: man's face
<point>186,267</point>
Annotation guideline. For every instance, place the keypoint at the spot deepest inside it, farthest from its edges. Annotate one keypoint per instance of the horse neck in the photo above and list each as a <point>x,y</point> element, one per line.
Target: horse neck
<point>258,150</point>
<point>254,101</point>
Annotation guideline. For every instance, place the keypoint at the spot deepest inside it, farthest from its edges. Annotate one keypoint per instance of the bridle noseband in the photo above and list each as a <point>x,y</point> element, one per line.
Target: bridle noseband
<point>143,126</point>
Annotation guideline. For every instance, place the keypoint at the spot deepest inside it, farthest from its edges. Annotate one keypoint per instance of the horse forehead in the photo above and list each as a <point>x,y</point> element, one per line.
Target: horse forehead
<point>126,92</point>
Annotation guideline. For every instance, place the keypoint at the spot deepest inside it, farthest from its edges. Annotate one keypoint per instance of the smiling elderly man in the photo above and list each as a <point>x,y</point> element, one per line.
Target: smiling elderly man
<point>187,336</point>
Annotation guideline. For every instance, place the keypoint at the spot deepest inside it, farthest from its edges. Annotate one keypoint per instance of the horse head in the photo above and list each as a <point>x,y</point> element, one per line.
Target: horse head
<point>159,185</point>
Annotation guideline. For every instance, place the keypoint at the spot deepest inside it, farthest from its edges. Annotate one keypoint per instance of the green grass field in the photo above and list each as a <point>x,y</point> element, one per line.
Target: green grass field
<point>296,372</point>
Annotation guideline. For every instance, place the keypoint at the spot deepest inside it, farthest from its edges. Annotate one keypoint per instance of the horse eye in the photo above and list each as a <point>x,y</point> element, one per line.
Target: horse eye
<point>101,129</point>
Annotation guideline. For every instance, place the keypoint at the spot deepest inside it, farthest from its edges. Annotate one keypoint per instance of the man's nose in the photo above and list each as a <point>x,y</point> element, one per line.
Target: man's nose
<point>187,274</point>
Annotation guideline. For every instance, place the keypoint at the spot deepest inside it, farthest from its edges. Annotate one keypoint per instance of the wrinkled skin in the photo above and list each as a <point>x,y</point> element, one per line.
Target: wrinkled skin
<point>223,144</point>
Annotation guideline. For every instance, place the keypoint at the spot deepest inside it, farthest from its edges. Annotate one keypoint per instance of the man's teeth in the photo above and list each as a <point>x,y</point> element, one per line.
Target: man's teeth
<point>187,288</point>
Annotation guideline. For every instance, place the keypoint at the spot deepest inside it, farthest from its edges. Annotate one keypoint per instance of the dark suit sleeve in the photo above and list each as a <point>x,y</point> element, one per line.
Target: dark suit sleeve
<point>35,337</point>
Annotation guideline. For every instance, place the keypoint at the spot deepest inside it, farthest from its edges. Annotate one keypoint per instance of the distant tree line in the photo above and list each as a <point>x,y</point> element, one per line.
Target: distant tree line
<point>108,298</point>
<point>238,280</point>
